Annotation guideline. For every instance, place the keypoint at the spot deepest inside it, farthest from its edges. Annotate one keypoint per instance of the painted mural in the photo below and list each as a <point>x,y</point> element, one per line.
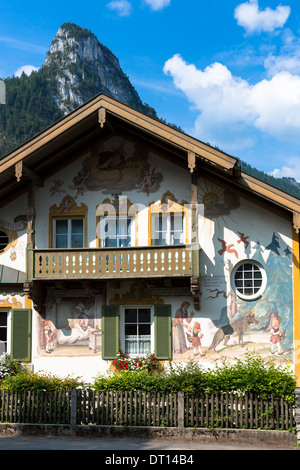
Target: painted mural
<point>228,326</point>
<point>116,166</point>
<point>9,238</point>
<point>186,331</point>
<point>72,327</point>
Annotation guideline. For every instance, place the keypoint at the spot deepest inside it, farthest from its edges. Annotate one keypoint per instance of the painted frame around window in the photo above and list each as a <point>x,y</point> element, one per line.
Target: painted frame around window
<point>168,205</point>
<point>68,209</point>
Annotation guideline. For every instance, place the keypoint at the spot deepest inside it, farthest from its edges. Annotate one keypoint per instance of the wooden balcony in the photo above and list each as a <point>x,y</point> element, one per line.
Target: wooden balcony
<point>111,263</point>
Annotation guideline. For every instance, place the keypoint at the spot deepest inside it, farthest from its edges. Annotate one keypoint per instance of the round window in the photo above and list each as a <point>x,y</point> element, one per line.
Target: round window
<point>249,279</point>
<point>4,240</point>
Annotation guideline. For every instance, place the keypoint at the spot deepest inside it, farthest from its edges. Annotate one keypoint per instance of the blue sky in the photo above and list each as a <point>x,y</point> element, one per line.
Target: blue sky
<point>226,71</point>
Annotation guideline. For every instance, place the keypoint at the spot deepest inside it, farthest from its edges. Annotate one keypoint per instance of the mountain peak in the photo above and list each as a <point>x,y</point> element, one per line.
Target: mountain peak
<point>75,42</point>
<point>83,67</point>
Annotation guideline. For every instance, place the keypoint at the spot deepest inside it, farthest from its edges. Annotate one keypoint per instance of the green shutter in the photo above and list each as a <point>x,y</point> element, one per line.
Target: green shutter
<point>163,332</point>
<point>110,331</point>
<point>21,334</point>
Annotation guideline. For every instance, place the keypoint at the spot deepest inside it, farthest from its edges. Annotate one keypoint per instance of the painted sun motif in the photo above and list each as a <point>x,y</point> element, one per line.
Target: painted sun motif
<point>217,202</point>
<point>210,199</point>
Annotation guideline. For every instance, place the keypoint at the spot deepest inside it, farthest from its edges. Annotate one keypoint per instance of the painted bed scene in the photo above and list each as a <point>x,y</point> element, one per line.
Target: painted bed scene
<point>71,327</point>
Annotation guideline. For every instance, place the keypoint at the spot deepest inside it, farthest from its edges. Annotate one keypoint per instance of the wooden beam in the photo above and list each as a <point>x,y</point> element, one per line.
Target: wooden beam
<point>37,180</point>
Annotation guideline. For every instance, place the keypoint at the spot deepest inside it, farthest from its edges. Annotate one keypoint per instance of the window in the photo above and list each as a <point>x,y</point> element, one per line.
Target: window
<point>68,224</point>
<point>68,233</point>
<point>15,333</point>
<point>249,279</point>
<point>137,325</point>
<point>3,332</point>
<point>167,228</point>
<point>4,240</point>
<point>115,231</point>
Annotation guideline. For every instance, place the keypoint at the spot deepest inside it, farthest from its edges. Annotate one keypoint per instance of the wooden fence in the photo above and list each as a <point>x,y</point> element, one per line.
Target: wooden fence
<point>140,408</point>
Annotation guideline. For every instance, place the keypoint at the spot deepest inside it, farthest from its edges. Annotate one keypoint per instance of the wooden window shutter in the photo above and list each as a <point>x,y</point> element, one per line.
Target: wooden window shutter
<point>163,332</point>
<point>21,334</point>
<point>110,331</point>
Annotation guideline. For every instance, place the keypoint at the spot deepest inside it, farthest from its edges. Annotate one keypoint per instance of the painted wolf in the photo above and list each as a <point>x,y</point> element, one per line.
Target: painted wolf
<point>238,326</point>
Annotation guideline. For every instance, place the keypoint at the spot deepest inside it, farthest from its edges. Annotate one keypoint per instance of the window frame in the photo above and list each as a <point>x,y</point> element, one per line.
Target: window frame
<point>262,287</point>
<point>122,328</point>
<point>68,209</point>
<point>69,231</point>
<point>168,231</point>
<point>168,205</point>
<point>12,239</point>
<point>8,330</point>
<point>8,240</point>
<point>130,231</point>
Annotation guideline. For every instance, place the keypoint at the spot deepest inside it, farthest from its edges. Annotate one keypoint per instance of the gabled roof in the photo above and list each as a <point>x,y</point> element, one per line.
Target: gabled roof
<point>102,116</point>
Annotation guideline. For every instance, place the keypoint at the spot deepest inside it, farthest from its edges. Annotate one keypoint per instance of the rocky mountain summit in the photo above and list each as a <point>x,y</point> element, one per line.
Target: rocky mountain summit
<point>84,67</point>
<point>77,67</point>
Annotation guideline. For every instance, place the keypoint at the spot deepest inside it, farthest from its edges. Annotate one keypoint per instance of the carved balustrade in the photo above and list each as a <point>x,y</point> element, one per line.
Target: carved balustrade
<point>132,262</point>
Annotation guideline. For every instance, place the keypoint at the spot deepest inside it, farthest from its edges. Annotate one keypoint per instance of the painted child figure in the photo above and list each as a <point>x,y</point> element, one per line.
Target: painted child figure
<point>196,338</point>
<point>49,336</point>
<point>276,334</point>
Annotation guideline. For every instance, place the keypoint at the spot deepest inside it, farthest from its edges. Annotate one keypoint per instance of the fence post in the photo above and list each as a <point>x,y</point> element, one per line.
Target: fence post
<point>180,413</point>
<point>297,413</point>
<point>73,413</point>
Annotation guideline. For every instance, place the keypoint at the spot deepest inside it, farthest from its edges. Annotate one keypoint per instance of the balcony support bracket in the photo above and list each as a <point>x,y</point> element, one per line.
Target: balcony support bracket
<point>36,292</point>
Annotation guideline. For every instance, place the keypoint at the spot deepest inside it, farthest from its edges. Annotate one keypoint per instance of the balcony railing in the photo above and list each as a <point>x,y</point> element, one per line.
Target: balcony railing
<point>109,263</point>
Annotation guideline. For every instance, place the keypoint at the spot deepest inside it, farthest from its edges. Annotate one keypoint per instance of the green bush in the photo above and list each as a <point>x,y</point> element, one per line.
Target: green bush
<point>39,382</point>
<point>254,374</point>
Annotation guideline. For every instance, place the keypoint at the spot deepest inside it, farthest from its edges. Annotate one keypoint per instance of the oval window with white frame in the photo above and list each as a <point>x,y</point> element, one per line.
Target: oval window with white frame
<point>249,279</point>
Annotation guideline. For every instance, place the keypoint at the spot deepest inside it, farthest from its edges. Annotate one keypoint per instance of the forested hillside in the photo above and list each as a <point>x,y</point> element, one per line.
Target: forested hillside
<point>288,185</point>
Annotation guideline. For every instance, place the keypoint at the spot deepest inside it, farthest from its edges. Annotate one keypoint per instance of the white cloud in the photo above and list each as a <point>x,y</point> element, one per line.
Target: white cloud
<point>288,58</point>
<point>250,17</point>
<point>122,7</point>
<point>158,4</point>
<point>289,63</point>
<point>27,69</point>
<point>230,107</point>
<point>290,169</point>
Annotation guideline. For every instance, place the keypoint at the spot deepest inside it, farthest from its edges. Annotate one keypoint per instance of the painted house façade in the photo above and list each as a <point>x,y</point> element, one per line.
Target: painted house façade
<point>119,232</point>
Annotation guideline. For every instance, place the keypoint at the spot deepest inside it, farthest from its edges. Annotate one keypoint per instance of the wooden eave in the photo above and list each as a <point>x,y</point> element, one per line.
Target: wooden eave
<point>102,116</point>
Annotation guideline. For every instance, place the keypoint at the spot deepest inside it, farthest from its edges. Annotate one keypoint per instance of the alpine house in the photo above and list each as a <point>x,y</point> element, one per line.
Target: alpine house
<point>120,233</point>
